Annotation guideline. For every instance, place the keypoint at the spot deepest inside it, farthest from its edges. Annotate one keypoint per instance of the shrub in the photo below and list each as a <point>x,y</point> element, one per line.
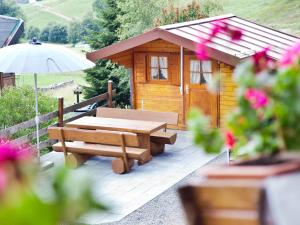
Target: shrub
<point>137,16</point>
<point>45,33</point>
<point>33,32</point>
<point>173,14</point>
<point>17,104</point>
<point>10,8</point>
<point>75,32</point>
<point>58,34</point>
<point>80,31</point>
<point>211,7</point>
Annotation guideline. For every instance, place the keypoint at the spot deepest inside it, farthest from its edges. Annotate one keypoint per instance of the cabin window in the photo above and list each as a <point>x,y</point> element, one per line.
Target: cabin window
<point>200,71</point>
<point>159,67</point>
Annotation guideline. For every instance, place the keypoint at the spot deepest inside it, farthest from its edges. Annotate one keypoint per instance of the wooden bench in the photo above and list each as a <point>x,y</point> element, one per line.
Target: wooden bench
<point>78,145</point>
<point>159,138</point>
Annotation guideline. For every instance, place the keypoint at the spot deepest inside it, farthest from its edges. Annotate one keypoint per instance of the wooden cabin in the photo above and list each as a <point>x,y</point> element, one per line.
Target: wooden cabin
<point>11,30</point>
<point>167,76</point>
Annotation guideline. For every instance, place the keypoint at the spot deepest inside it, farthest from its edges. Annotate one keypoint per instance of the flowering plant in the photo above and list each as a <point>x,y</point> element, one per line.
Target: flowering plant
<point>28,197</point>
<point>266,118</point>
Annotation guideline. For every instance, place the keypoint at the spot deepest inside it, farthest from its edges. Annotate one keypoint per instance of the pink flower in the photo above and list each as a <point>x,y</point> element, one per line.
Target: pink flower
<point>218,26</point>
<point>290,56</point>
<point>261,60</point>
<point>3,181</point>
<point>13,153</point>
<point>257,98</point>
<point>236,35</point>
<point>201,51</point>
<point>215,30</point>
<point>229,140</point>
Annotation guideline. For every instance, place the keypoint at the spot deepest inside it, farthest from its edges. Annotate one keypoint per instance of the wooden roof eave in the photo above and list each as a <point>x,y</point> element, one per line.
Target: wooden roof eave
<point>155,34</point>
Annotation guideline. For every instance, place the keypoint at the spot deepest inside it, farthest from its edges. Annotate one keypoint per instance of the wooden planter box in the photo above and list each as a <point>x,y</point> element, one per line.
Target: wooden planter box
<point>256,168</point>
<point>234,195</point>
<point>224,202</point>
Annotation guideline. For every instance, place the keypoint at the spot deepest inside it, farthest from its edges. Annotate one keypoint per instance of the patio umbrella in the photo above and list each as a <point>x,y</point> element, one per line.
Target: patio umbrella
<point>36,57</point>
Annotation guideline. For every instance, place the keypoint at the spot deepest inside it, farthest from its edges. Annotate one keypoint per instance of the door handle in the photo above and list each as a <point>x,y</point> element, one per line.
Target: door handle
<point>187,89</point>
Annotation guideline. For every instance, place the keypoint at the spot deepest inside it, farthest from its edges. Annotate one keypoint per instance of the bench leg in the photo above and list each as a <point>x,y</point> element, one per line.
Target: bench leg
<point>157,148</point>
<point>145,143</point>
<point>147,159</point>
<point>118,165</point>
<point>74,160</point>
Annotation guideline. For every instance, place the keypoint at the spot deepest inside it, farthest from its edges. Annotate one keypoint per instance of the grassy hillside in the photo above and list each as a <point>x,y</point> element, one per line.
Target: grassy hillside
<point>279,14</point>
<point>60,11</point>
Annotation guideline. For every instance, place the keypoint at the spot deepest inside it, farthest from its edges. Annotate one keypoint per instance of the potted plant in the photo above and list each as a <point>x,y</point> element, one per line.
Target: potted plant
<point>264,127</point>
<point>28,198</point>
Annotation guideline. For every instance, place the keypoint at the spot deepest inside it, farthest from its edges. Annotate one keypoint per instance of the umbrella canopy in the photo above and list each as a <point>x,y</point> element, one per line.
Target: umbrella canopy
<point>35,57</point>
<point>41,58</point>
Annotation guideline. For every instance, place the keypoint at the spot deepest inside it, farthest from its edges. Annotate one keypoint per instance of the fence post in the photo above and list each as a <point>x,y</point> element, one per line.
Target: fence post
<point>109,92</point>
<point>60,112</point>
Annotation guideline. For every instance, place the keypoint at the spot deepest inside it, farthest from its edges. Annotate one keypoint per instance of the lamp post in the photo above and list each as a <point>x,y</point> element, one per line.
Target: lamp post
<point>77,91</point>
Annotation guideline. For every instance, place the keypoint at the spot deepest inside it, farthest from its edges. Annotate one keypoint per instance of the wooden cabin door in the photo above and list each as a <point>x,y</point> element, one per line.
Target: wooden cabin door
<point>196,74</point>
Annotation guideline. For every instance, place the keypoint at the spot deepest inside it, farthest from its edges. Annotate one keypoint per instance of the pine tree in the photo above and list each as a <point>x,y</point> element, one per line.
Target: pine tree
<point>107,12</point>
<point>99,76</point>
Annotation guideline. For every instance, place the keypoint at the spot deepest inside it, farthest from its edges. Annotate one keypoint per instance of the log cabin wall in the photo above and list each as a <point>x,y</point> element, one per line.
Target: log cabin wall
<point>153,95</point>
<point>165,96</point>
<point>227,96</point>
<point>123,58</point>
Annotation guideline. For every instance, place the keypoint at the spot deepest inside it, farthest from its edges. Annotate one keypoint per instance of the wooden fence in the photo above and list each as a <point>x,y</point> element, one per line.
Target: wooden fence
<point>59,114</point>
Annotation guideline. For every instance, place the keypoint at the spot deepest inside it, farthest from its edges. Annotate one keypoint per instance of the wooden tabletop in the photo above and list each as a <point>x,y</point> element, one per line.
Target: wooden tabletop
<point>134,126</point>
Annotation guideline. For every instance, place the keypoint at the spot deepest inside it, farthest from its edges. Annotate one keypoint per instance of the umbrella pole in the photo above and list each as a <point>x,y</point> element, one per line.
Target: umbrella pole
<point>45,164</point>
<point>37,116</point>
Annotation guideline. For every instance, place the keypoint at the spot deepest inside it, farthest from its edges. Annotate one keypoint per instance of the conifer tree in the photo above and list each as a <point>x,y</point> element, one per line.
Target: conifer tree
<point>106,12</point>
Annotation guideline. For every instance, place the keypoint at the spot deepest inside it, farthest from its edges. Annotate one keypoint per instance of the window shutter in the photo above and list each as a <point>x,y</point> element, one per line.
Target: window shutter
<point>174,69</point>
<point>140,70</point>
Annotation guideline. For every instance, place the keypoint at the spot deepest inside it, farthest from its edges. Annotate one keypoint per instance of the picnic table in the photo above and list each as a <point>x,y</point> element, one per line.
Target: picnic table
<point>142,128</point>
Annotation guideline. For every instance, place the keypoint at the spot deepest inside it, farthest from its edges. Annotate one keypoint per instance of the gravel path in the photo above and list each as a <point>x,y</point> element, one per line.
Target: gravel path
<point>166,208</point>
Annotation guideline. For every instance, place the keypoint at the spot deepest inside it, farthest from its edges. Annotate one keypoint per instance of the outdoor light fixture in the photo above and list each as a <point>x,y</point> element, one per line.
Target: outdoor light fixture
<point>77,91</point>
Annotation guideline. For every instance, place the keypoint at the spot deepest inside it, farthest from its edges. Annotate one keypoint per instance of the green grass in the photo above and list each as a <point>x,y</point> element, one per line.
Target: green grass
<point>45,80</point>
<point>75,9</point>
<point>279,14</point>
<point>38,18</point>
<point>283,15</point>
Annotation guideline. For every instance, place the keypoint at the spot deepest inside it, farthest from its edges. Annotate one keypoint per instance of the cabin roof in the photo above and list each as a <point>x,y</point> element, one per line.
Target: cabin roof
<point>10,30</point>
<point>188,34</point>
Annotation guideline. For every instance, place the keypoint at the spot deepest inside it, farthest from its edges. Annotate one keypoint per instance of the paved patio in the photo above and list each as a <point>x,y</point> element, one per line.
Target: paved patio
<point>126,193</point>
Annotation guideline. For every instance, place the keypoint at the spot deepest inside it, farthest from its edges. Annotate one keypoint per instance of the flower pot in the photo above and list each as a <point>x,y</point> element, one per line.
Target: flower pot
<point>223,201</point>
<point>235,194</point>
<point>258,168</point>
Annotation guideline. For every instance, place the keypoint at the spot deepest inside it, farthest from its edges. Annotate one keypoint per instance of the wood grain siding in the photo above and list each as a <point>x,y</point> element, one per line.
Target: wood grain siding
<point>164,96</point>
<point>158,46</point>
<point>123,58</point>
<point>153,96</point>
<point>227,96</point>
<point>140,68</point>
<point>159,97</point>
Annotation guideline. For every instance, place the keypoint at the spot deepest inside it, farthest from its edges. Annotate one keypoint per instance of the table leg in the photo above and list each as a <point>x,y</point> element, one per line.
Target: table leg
<point>145,143</point>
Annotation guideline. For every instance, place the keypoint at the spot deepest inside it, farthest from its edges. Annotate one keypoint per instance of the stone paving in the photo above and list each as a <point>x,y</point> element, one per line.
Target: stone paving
<point>128,192</point>
<point>166,208</point>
